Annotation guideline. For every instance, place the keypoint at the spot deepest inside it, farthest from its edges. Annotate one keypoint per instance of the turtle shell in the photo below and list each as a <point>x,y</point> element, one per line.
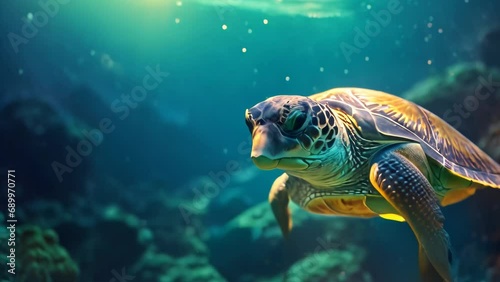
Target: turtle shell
<point>385,117</point>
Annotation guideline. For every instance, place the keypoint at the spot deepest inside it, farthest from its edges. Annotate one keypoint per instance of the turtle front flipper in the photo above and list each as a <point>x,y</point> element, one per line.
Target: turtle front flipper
<point>398,174</point>
<point>278,198</point>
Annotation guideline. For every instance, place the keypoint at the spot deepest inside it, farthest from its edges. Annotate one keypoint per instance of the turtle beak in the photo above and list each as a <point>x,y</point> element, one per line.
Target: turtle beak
<point>260,145</point>
<point>260,141</point>
<point>269,145</point>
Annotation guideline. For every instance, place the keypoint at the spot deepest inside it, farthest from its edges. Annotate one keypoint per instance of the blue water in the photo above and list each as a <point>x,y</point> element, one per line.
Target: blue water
<point>208,61</point>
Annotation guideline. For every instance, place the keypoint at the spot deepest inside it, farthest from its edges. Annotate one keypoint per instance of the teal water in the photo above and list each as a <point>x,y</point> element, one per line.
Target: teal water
<point>204,63</point>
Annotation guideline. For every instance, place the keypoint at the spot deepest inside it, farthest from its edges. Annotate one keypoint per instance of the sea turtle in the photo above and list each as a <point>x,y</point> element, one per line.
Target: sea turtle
<point>365,153</point>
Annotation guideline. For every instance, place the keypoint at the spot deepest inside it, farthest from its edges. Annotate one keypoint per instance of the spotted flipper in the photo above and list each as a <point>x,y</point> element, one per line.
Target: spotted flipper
<point>397,175</point>
<point>278,198</point>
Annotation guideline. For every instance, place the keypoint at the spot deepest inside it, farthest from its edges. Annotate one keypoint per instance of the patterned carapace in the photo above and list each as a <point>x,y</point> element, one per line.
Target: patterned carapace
<point>395,117</point>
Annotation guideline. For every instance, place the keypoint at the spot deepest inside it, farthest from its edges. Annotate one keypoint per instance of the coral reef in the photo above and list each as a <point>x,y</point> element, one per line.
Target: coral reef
<point>157,267</point>
<point>40,257</point>
<point>333,266</point>
<point>175,223</point>
<point>260,221</point>
<point>266,246</point>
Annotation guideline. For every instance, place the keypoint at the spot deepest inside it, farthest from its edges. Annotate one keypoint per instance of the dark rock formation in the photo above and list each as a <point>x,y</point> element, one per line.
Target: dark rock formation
<point>113,242</point>
<point>35,137</point>
<point>490,142</point>
<point>489,47</point>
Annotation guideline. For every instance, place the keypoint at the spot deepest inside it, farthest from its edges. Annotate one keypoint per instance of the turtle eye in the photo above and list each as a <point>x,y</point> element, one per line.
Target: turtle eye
<point>295,121</point>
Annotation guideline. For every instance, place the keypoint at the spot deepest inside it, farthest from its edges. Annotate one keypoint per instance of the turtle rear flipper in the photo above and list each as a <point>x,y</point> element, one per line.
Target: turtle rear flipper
<point>279,199</point>
<point>396,176</point>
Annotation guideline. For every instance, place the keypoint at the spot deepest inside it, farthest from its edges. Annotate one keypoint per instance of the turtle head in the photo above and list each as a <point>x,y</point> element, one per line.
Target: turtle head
<point>291,133</point>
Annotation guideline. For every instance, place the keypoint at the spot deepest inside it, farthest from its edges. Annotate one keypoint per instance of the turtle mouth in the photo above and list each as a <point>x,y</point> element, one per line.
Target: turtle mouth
<point>265,163</point>
<point>295,164</point>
